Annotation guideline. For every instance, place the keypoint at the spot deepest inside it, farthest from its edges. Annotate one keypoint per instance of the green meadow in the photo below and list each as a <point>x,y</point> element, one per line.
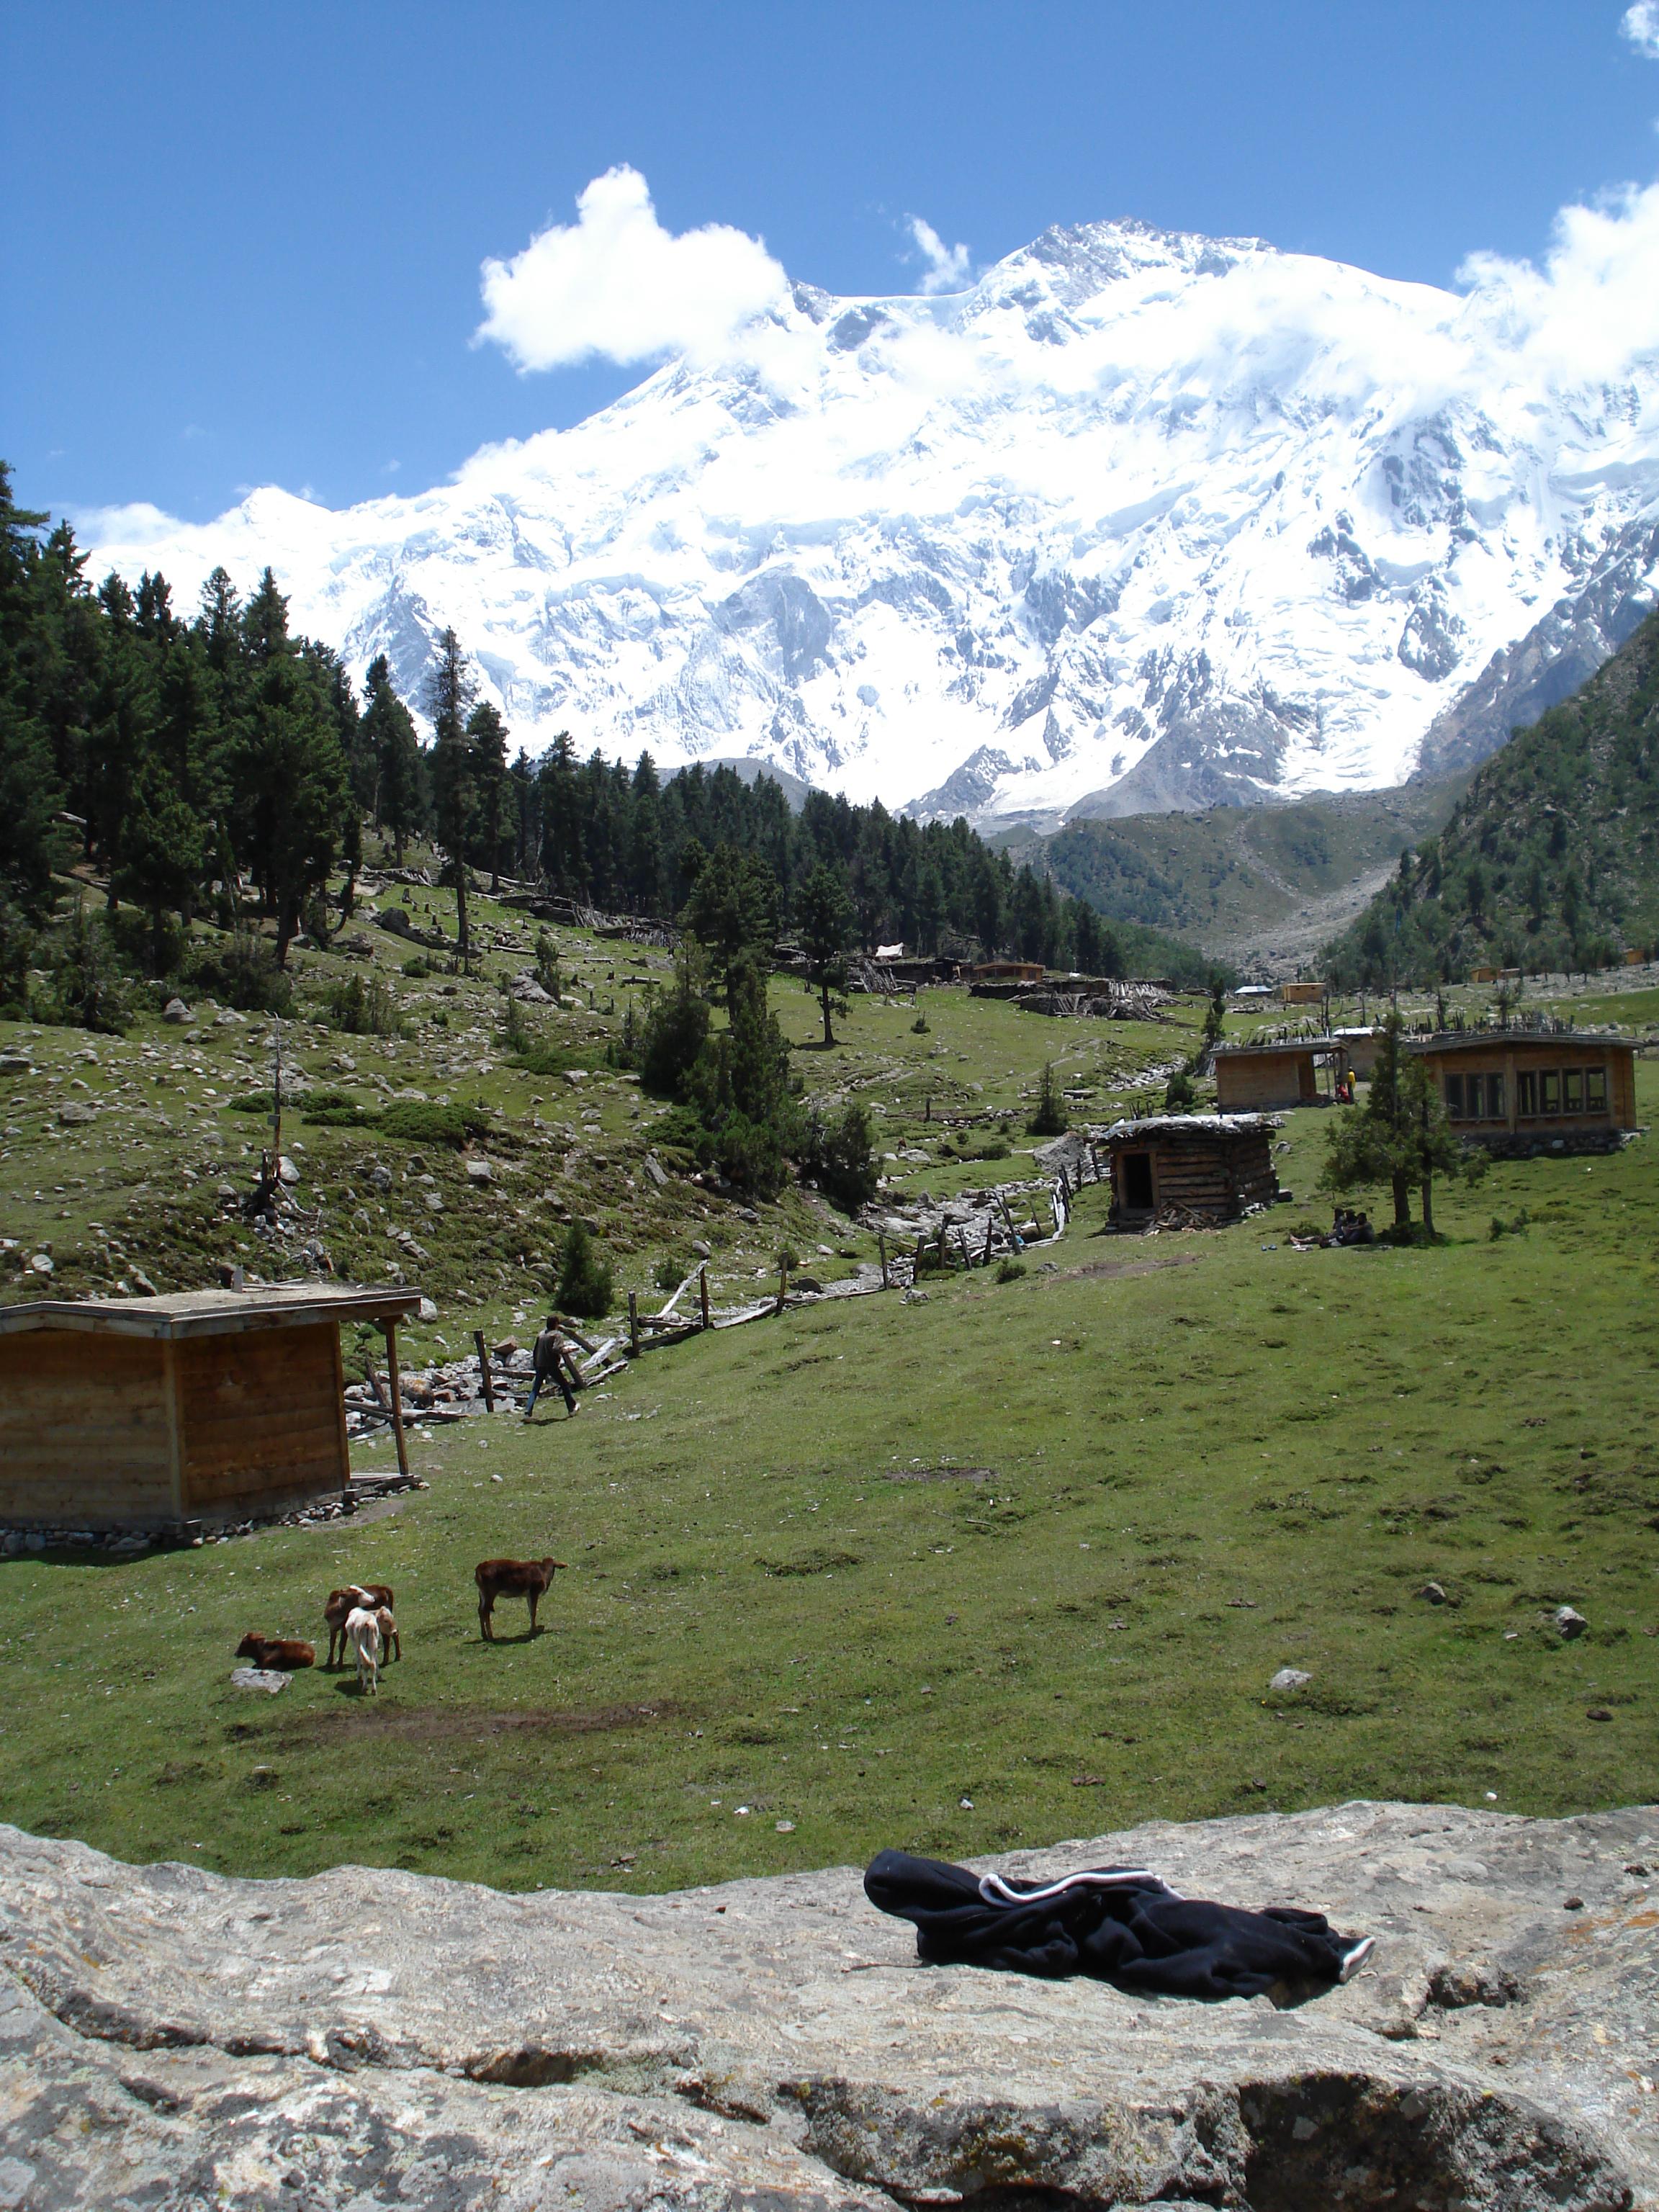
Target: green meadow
<point>1013,1565</point>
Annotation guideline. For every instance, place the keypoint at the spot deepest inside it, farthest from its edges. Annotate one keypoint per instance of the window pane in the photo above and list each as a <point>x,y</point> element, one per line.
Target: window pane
<point>1494,1097</point>
<point>1526,1085</point>
<point>1474,1098</point>
<point>1454,1096</point>
<point>1572,1090</point>
<point>1550,1084</point>
<point>1595,1089</point>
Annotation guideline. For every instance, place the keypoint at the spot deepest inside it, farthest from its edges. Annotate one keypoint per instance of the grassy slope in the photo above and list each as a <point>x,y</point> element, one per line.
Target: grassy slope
<point>1202,1459</point>
<point>1230,871</point>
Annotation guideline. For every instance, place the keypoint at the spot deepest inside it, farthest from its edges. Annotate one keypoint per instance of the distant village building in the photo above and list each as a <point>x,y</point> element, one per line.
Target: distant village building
<point>1265,1078</point>
<point>1209,1167</point>
<point>211,1405</point>
<point>1303,994</point>
<point>1006,971</point>
<point>1523,1091</point>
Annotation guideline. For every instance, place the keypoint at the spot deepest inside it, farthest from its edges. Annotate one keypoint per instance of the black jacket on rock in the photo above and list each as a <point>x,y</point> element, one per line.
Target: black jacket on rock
<point>1118,1924</point>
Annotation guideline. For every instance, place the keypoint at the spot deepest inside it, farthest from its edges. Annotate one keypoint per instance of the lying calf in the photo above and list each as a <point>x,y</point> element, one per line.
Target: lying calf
<point>281,1653</point>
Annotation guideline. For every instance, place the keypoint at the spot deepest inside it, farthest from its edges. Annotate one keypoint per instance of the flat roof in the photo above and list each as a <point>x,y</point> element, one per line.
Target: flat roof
<point>1486,1039</point>
<point>1286,1044</point>
<point>208,1313</point>
<point>1192,1125</point>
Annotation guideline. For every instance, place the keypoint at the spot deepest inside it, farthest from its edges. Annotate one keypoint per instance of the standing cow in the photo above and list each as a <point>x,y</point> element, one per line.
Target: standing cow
<point>527,1578</point>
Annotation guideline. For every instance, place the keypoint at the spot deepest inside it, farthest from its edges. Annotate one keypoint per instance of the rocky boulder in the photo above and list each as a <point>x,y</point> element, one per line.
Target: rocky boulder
<point>371,2038</point>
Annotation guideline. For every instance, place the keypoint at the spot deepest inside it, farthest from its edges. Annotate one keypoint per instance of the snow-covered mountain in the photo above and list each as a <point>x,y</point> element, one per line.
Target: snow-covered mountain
<point>1142,520</point>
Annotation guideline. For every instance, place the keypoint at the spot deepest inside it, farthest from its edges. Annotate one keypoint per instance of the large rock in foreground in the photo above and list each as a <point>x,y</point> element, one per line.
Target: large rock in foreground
<point>169,2038</point>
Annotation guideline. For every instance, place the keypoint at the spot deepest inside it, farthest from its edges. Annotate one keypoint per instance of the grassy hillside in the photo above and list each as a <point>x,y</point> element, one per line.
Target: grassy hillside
<point>1010,1565</point>
<point>1232,876</point>
<point>1550,861</point>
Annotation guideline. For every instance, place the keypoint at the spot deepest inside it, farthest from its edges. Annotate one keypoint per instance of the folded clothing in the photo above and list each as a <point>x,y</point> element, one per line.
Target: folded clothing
<point>1119,1924</point>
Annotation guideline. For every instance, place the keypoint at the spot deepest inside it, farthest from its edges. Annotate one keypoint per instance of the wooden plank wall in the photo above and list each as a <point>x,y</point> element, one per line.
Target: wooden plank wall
<point>259,1416</point>
<point>84,1431</point>
<point>1272,1079</point>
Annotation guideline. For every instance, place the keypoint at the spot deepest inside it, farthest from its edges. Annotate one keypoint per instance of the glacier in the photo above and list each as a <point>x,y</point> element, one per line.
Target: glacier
<point>1142,520</point>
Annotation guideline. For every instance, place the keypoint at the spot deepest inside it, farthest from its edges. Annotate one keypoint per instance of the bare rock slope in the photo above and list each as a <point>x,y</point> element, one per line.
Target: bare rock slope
<point>169,2038</point>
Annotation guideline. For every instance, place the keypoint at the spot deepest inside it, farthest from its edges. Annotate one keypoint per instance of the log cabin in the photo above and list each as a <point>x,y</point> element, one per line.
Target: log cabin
<point>208,1406</point>
<point>1212,1166</point>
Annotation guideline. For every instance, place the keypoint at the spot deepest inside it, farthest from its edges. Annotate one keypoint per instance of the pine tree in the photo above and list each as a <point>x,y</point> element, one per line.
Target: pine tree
<point>398,799</point>
<point>28,788</point>
<point>824,920</point>
<point>163,851</point>
<point>732,909</point>
<point>488,734</point>
<point>454,785</point>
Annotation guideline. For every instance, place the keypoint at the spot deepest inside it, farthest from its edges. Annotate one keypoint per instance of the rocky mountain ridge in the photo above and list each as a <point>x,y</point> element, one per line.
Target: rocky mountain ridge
<point>169,2036</point>
<point>1143,520</point>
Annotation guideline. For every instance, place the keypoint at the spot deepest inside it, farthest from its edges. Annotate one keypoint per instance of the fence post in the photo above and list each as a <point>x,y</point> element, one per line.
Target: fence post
<point>633,1324</point>
<point>484,1371</point>
<point>881,1240</point>
<point>783,1287</point>
<point>703,1293</point>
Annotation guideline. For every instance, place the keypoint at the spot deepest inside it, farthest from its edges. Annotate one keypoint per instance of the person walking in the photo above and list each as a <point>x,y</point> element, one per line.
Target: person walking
<point>547,1365</point>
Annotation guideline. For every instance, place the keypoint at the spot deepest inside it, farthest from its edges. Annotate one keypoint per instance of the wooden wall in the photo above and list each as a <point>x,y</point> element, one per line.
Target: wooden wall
<point>261,1418</point>
<point>1252,1082</point>
<point>86,1432</point>
<point>93,1426</point>
<point>1218,1177</point>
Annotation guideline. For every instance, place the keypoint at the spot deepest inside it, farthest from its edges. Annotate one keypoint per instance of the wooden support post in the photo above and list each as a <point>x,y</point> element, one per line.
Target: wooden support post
<point>944,1256</point>
<point>633,1324</point>
<point>703,1293</point>
<point>396,1386</point>
<point>961,1239</point>
<point>783,1287</point>
<point>990,1236</point>
<point>484,1372</point>
<point>881,1245</point>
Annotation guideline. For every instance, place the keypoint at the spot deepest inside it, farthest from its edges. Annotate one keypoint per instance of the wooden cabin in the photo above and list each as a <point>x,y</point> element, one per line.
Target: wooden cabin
<point>1523,1092</point>
<point>1264,1078</point>
<point>1211,1165</point>
<point>150,1413</point>
<point>1303,994</point>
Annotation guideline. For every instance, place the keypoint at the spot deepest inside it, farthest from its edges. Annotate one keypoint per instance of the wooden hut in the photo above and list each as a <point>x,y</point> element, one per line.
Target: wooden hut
<point>1260,1077</point>
<point>1211,1166</point>
<point>149,1412</point>
<point>1523,1091</point>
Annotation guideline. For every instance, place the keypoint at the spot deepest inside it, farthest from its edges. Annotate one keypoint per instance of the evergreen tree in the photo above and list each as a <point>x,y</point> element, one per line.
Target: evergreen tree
<point>163,851</point>
<point>488,734</point>
<point>732,909</point>
<point>455,783</point>
<point>398,799</point>
<point>562,838</point>
<point>823,919</point>
<point>29,786</point>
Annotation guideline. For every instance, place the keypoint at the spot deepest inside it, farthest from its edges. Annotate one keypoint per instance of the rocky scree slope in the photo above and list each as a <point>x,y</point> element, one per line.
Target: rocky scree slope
<point>170,2036</point>
<point>1142,520</point>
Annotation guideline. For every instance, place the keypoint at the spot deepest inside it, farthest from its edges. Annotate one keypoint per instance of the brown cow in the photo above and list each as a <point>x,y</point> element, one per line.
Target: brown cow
<point>281,1653</point>
<point>529,1578</point>
<point>372,1595</point>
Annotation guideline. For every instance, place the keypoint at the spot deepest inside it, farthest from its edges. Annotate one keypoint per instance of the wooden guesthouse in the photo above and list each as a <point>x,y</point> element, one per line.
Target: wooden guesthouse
<point>1262,1077</point>
<point>211,1405</point>
<point>1523,1092</point>
<point>1207,1166</point>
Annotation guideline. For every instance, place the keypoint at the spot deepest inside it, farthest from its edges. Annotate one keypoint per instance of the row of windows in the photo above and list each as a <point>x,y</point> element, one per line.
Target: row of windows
<point>1537,1091</point>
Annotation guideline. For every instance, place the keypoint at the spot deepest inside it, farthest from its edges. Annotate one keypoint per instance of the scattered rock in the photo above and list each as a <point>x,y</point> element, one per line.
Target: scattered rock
<point>700,1250</point>
<point>428,1310</point>
<point>575,1076</point>
<point>479,1171</point>
<point>178,1014</point>
<point>380,1177</point>
<point>15,1063</point>
<point>1570,1622</point>
<point>1598,1713</point>
<point>654,1168</point>
<point>42,1263</point>
<point>75,1116</point>
<point>1434,1593</point>
<point>287,1173</point>
<point>259,1678</point>
<point>434,1202</point>
<point>143,1285</point>
<point>1572,1904</point>
<point>1456,1986</point>
<point>1289,1678</point>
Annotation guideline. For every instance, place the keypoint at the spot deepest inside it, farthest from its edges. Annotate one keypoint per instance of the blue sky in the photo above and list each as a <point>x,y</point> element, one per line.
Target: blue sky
<point>243,246</point>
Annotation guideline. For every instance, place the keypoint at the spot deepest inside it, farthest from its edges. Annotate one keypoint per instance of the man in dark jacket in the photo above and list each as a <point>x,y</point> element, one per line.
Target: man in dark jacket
<point>547,1358</point>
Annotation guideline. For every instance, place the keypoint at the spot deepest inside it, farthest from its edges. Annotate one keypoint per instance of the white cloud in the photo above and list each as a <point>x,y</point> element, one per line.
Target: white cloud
<point>1593,307</point>
<point>949,267</point>
<point>1641,26</point>
<point>615,283</point>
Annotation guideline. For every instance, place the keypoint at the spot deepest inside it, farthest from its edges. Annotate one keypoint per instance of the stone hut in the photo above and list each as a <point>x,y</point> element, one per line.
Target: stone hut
<point>1210,1166</point>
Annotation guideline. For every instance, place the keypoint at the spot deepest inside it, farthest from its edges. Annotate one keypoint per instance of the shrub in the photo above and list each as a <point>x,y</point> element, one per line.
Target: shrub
<point>672,1035</point>
<point>1179,1094</point>
<point>1050,1118</point>
<point>752,1153</point>
<point>361,1007</point>
<point>666,1276</point>
<point>919,1027</point>
<point>585,1278</point>
<point>418,968</point>
<point>414,1123</point>
<point>332,1109</point>
<point>994,1148</point>
<point>1516,1226</point>
<point>241,971</point>
<point>839,1157</point>
<point>1010,1271</point>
